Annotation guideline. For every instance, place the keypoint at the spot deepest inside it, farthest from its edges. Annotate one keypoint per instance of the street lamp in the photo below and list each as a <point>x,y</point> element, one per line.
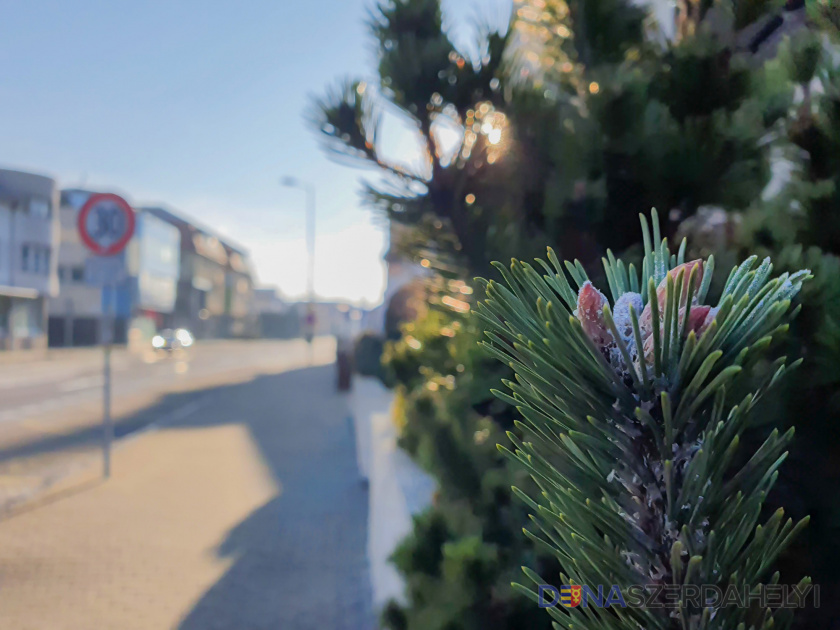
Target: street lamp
<point>294,182</point>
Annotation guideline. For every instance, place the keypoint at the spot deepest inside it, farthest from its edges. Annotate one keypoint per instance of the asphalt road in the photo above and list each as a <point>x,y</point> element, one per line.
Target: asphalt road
<point>51,409</point>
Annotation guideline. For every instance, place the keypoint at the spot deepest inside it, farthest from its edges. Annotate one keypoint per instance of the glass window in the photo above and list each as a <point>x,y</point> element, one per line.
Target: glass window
<point>74,198</point>
<point>77,274</point>
<point>46,268</point>
<point>39,208</point>
<point>24,257</point>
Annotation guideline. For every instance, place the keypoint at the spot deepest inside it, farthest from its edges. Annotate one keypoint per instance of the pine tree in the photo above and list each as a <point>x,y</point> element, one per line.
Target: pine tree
<point>634,411</point>
<point>677,119</point>
<point>567,124</point>
<point>454,199</point>
<point>799,227</point>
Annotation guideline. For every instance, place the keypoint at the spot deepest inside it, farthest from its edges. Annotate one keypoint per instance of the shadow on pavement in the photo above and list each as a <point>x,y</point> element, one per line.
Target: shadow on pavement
<point>92,435</point>
<point>299,561</point>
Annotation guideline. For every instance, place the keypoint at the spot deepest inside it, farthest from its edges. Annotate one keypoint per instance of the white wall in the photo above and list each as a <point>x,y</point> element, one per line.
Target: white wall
<point>75,297</point>
<point>28,217</point>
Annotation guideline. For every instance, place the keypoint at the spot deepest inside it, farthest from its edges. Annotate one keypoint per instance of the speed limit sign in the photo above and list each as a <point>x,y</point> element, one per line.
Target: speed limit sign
<point>106,223</point>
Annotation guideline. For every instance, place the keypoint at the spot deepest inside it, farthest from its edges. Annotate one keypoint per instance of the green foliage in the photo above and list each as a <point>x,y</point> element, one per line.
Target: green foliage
<point>427,85</point>
<point>801,226</point>
<point>811,398</point>
<point>597,116</point>
<point>826,13</point>
<point>746,12</point>
<point>572,122</point>
<point>425,350</point>
<point>675,124</point>
<point>604,30</point>
<point>803,56</point>
<point>635,445</point>
<point>465,550</point>
<point>816,130</point>
<point>798,226</point>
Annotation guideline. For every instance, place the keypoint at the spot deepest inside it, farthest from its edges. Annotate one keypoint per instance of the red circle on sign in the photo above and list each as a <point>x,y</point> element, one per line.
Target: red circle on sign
<point>117,246</point>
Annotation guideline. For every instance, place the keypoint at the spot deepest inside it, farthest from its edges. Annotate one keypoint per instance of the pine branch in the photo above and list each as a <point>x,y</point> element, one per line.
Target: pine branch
<point>350,117</point>
<point>635,428</point>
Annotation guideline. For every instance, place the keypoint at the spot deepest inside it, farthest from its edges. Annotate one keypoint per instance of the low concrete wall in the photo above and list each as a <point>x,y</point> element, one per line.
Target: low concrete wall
<point>398,487</point>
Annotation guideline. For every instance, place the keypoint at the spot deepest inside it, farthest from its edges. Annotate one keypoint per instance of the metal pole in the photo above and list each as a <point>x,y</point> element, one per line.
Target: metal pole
<point>310,241</point>
<point>107,425</point>
<point>13,253</point>
<point>68,324</point>
<point>310,274</point>
<point>309,189</point>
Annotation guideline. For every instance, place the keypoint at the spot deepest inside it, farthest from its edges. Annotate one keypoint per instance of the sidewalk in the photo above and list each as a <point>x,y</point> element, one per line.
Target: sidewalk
<point>247,514</point>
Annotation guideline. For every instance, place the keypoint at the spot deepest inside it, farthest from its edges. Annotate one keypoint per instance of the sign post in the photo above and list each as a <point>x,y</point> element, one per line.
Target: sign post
<point>107,423</point>
<point>106,224</point>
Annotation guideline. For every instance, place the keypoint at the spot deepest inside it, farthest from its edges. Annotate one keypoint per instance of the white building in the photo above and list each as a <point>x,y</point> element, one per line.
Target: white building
<point>28,261</point>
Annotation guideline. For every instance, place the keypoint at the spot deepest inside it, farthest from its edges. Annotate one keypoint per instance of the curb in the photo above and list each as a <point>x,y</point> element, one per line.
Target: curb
<point>398,488</point>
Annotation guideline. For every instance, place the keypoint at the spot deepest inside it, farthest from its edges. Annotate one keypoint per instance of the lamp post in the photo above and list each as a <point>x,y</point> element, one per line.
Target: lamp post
<point>294,182</point>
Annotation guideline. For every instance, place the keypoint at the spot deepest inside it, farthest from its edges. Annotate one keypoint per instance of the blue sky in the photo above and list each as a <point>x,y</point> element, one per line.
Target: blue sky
<point>199,105</point>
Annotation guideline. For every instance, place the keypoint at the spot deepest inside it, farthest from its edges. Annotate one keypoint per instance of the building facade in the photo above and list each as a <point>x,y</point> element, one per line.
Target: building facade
<point>215,283</point>
<point>28,267</point>
<point>276,319</point>
<point>239,295</point>
<point>154,262</point>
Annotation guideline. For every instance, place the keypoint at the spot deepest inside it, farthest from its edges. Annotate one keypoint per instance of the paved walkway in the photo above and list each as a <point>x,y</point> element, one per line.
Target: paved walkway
<point>246,514</point>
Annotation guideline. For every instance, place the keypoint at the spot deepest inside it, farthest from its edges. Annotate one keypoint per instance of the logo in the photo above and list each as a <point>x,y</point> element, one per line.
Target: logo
<point>675,596</point>
<point>570,596</point>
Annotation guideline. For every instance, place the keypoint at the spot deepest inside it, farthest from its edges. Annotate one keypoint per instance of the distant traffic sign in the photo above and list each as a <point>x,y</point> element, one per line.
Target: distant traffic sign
<point>106,224</point>
<point>103,271</point>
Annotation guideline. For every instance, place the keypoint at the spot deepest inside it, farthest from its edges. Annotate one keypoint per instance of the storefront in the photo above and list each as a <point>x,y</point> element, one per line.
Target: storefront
<point>21,319</point>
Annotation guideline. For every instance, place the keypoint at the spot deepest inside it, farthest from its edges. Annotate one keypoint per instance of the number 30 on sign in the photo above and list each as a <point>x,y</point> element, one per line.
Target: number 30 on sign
<point>106,224</point>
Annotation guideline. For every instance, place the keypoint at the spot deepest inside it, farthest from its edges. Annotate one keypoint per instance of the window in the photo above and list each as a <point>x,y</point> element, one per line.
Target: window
<point>61,273</point>
<point>74,198</point>
<point>46,261</point>
<point>39,208</point>
<point>77,274</point>
<point>24,257</point>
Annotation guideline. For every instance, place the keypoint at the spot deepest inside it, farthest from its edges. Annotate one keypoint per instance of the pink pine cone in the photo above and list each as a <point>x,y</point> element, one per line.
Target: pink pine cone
<point>645,321</point>
<point>590,313</point>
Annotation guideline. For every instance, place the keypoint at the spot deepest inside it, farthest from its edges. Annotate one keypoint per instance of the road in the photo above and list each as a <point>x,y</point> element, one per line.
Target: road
<point>51,409</point>
<point>243,509</point>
